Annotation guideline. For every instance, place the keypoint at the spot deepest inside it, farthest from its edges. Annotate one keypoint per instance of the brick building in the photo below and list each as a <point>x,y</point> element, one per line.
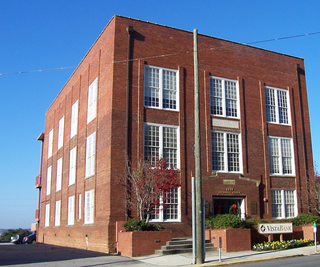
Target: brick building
<point>255,132</point>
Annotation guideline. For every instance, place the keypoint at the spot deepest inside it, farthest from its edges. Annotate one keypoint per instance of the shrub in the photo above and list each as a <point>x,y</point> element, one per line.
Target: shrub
<point>141,225</point>
<point>224,221</point>
<point>305,219</point>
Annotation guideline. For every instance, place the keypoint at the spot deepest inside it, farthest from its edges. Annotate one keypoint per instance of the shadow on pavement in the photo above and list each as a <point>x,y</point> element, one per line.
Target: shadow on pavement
<point>25,254</point>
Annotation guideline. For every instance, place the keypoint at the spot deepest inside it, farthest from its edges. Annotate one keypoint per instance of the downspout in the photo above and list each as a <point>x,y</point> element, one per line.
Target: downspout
<point>127,152</point>
<point>305,155</point>
<point>40,138</point>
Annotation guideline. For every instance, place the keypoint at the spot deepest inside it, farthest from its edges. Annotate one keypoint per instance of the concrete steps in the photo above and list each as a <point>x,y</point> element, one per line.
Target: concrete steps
<point>181,245</point>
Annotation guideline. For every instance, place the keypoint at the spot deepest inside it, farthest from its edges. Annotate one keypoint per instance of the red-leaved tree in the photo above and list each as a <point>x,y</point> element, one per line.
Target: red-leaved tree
<point>149,184</point>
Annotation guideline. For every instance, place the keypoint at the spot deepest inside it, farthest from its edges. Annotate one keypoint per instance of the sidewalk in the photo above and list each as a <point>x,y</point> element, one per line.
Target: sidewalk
<point>227,258</point>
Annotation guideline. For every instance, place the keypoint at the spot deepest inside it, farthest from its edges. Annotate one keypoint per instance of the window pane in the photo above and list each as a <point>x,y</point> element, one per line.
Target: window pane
<point>233,152</point>
<point>283,107</point>
<point>270,105</point>
<point>170,146</point>
<point>276,203</point>
<point>216,96</point>
<point>151,143</point>
<point>169,89</point>
<point>171,206</point>
<point>231,98</point>
<point>274,155</point>
<point>151,92</point>
<point>217,151</point>
<point>289,203</point>
<point>286,156</point>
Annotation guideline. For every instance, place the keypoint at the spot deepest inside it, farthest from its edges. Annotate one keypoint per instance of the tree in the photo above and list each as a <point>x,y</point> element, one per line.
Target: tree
<point>13,232</point>
<point>314,191</point>
<point>150,186</point>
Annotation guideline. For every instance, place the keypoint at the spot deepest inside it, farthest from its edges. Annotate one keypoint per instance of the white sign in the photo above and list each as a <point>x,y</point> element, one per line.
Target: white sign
<point>275,228</point>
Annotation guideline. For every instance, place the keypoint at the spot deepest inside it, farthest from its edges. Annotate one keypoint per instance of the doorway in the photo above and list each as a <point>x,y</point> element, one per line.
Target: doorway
<point>226,205</point>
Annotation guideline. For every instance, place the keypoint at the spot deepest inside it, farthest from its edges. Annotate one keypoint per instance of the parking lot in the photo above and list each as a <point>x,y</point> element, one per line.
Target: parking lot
<point>48,255</point>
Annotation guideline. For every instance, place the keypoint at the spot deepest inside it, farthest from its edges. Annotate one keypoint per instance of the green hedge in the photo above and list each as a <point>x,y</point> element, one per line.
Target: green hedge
<point>225,221</point>
<point>141,225</point>
<point>230,220</point>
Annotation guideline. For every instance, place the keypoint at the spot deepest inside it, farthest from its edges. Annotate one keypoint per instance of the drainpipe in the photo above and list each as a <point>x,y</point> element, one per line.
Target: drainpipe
<point>40,138</point>
<point>127,152</point>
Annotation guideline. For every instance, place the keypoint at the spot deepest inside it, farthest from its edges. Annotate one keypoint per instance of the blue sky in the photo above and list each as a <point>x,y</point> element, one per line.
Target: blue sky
<point>43,35</point>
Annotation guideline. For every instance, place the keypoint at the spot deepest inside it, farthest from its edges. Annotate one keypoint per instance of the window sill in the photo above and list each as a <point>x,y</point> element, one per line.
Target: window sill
<point>164,109</point>
<point>282,176</point>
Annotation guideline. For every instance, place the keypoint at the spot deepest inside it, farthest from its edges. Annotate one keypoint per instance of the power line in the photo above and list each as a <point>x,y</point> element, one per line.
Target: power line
<point>283,38</point>
<point>165,55</point>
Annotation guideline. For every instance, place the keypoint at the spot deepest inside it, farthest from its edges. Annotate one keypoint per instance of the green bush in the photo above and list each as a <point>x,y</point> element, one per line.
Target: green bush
<point>305,219</point>
<point>224,221</point>
<point>231,220</point>
<point>141,225</point>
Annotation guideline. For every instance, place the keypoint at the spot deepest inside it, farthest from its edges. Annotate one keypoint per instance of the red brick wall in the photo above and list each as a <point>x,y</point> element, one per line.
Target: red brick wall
<point>133,244</point>
<point>252,67</point>
<point>233,239</point>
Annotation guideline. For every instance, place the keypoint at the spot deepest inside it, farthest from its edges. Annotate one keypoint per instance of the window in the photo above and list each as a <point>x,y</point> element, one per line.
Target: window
<point>160,88</point>
<point>170,209</point>
<point>47,215</point>
<point>90,154</point>
<point>281,156</point>
<point>277,105</point>
<point>50,143</point>
<point>74,119</point>
<point>49,180</point>
<point>57,215</point>
<point>80,210</point>
<point>92,100</point>
<point>59,174</point>
<point>224,97</point>
<point>61,131</point>
<point>73,164</point>
<point>226,152</point>
<point>88,206</point>
<point>71,210</point>
<point>283,203</point>
<point>161,141</point>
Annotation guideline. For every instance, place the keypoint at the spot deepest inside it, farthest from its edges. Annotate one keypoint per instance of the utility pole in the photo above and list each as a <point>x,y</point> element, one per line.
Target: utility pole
<point>197,153</point>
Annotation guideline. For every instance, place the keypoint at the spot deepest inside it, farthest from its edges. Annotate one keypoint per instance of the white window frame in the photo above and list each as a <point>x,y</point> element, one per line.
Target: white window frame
<point>160,87</point>
<point>283,206</point>
<point>80,207</point>
<point>49,173</point>
<point>277,106</point>
<point>47,216</point>
<point>280,155</point>
<point>73,166</point>
<point>74,119</point>
<point>60,132</point>
<point>71,205</point>
<point>224,152</point>
<point>89,207</point>
<point>223,98</point>
<point>161,148</point>
<point>59,174</point>
<point>90,154</point>
<point>57,213</point>
<point>159,211</point>
<point>92,100</point>
<point>50,143</point>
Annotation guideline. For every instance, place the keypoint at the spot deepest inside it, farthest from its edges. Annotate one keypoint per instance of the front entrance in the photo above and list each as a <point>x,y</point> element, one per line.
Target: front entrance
<point>226,205</point>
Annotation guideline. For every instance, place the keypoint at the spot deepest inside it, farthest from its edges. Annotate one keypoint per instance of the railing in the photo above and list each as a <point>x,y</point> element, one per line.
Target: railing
<point>37,215</point>
<point>38,181</point>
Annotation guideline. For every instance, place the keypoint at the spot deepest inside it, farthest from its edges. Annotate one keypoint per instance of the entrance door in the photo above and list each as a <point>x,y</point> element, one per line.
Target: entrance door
<point>225,205</point>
